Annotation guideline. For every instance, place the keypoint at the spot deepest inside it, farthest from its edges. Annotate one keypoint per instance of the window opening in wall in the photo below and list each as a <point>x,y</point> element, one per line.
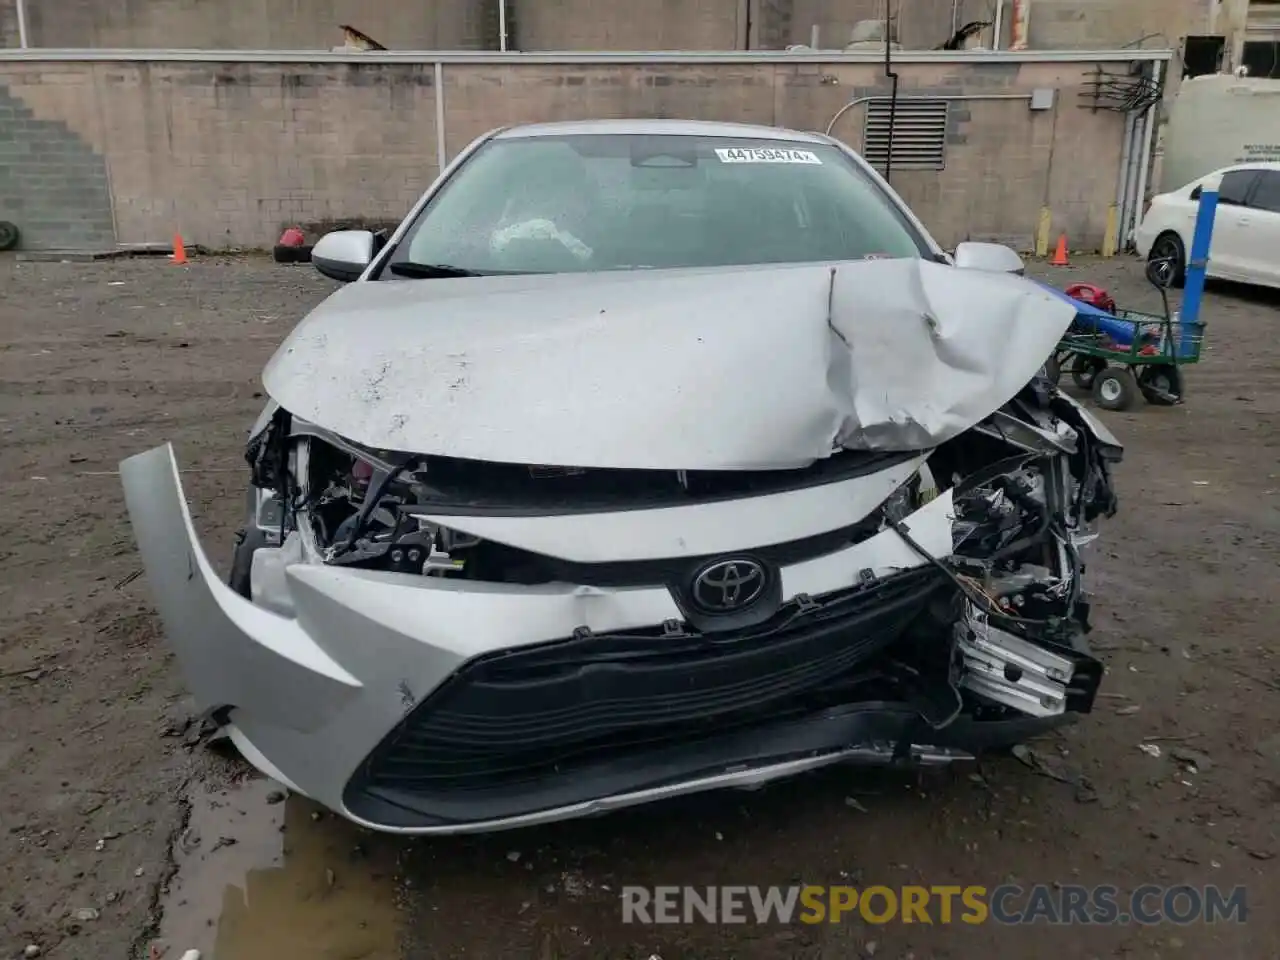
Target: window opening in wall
<point>919,134</point>
<point>1262,58</point>
<point>1202,55</point>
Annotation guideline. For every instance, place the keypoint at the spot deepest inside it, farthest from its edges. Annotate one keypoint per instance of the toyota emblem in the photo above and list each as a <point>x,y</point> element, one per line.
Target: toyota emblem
<point>727,586</point>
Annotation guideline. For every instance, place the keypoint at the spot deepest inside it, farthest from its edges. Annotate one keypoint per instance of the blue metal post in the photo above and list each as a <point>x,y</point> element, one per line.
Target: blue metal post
<point>1197,262</point>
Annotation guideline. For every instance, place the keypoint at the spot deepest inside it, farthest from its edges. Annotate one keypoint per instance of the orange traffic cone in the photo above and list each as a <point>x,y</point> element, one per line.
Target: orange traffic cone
<point>1060,255</point>
<point>179,250</point>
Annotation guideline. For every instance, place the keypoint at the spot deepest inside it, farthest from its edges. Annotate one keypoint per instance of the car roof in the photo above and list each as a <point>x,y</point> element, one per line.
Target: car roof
<point>1222,171</point>
<point>1257,165</point>
<point>703,128</point>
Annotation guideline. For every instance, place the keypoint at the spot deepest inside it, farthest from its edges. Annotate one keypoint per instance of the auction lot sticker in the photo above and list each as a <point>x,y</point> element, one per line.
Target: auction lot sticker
<point>765,155</point>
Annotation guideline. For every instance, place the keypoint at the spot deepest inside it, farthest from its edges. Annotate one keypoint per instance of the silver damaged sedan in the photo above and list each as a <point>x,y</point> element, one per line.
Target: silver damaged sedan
<point>643,458</point>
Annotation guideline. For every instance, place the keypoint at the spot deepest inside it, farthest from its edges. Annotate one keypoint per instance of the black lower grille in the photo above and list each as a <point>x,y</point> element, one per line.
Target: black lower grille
<point>520,717</point>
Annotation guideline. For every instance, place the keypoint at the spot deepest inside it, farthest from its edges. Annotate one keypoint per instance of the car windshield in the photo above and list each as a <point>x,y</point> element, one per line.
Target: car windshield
<point>555,204</point>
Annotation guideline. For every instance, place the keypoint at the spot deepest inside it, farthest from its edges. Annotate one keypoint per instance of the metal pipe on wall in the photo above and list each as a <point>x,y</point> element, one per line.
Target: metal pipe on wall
<point>1122,181</point>
<point>997,26</point>
<point>1150,132</point>
<point>442,157</point>
<point>1131,192</point>
<point>892,75</point>
<point>502,26</point>
<point>21,8</point>
<point>859,101</point>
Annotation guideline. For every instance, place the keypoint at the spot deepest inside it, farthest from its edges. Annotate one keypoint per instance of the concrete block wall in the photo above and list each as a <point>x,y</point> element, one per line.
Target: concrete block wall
<point>9,24</point>
<point>53,183</point>
<point>1076,24</point>
<point>629,24</point>
<point>920,24</point>
<point>229,154</point>
<point>1005,163</point>
<point>253,24</point>
<point>574,24</point>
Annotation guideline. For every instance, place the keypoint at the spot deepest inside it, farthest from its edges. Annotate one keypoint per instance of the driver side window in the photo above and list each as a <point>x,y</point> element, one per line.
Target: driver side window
<point>1234,189</point>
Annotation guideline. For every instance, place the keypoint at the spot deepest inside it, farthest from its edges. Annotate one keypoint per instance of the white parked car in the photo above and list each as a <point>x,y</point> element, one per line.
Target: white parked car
<point>645,457</point>
<point>1246,233</point>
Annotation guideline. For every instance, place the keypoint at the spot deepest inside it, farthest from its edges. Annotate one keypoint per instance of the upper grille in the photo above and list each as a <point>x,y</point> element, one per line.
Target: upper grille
<point>522,716</point>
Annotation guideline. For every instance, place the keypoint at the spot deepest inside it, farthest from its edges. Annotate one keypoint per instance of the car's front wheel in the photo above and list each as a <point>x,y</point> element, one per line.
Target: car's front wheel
<point>241,565</point>
<point>1168,249</point>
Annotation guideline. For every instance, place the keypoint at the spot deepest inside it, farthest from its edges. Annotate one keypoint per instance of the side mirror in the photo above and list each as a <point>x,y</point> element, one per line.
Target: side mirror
<point>343,254</point>
<point>992,257</point>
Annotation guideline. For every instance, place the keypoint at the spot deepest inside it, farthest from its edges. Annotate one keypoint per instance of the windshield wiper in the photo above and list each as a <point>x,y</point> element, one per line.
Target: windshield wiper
<point>428,271</point>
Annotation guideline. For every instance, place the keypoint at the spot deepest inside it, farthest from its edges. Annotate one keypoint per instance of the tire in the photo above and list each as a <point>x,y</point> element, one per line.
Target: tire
<point>283,254</point>
<point>1084,370</point>
<point>248,541</point>
<point>1168,246</point>
<point>1161,384</point>
<point>9,235</point>
<point>1115,389</point>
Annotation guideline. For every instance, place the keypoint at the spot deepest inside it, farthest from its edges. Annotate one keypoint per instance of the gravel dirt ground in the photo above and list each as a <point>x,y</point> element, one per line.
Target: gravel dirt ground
<point>117,836</point>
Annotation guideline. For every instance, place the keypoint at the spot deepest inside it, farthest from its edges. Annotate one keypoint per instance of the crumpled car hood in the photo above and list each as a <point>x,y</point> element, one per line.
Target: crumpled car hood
<point>722,369</point>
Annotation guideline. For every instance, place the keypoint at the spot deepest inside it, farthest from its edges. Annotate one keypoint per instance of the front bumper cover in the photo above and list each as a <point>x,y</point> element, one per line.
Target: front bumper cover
<point>314,698</point>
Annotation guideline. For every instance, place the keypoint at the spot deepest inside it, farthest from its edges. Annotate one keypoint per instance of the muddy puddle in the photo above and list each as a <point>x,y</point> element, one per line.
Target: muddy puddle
<point>260,878</point>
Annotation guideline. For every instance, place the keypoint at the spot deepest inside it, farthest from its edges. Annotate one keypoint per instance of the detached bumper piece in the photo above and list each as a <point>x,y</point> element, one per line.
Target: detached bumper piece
<point>594,715</point>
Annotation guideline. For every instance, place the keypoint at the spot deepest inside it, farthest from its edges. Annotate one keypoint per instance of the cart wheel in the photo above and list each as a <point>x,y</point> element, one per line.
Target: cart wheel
<point>1053,370</point>
<point>1084,369</point>
<point>1115,389</point>
<point>1161,384</point>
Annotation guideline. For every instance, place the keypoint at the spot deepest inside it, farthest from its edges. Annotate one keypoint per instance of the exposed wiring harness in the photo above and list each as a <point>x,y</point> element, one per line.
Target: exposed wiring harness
<point>967,586</point>
<point>371,501</point>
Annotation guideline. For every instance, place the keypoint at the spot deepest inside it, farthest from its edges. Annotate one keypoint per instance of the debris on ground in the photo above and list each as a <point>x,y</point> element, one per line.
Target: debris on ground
<point>574,885</point>
<point>1150,749</point>
<point>1055,768</point>
<point>1191,758</point>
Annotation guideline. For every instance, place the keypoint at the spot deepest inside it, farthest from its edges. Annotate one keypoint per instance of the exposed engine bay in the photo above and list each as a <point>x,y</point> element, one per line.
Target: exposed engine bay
<point>1001,634</point>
